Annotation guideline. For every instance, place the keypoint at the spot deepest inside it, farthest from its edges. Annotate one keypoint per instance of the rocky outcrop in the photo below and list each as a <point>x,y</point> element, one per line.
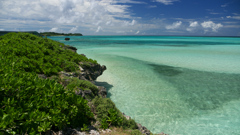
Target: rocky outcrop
<point>102,91</point>
<point>91,71</point>
<point>143,129</point>
<point>74,49</point>
<point>67,39</point>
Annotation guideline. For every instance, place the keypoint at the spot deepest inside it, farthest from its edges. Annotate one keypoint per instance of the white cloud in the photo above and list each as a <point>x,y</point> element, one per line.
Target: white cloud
<point>175,25</point>
<point>66,14</point>
<point>233,17</point>
<point>192,26</point>
<point>209,25</point>
<point>166,2</point>
<point>98,29</point>
<point>1,29</point>
<point>74,29</point>
<point>137,32</point>
<point>55,29</point>
<point>127,23</point>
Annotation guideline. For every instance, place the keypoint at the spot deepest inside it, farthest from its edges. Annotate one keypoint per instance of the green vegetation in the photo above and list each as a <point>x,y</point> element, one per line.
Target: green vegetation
<point>60,34</point>
<point>39,55</point>
<point>83,84</point>
<point>32,105</point>
<point>109,115</point>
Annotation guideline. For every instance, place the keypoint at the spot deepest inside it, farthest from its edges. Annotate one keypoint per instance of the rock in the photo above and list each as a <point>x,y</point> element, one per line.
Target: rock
<point>102,91</point>
<point>42,76</point>
<point>83,55</point>
<point>67,39</point>
<point>79,91</point>
<point>82,77</point>
<point>106,131</point>
<point>92,71</point>
<point>127,117</point>
<point>81,69</point>
<point>87,92</point>
<point>143,129</point>
<point>94,132</point>
<point>65,74</point>
<point>104,67</point>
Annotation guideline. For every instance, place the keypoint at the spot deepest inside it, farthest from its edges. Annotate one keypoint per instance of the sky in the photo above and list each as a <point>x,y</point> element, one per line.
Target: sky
<point>123,17</point>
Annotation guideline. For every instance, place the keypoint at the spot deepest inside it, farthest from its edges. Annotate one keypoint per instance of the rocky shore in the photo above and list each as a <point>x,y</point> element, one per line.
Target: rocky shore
<point>88,72</point>
<point>52,90</point>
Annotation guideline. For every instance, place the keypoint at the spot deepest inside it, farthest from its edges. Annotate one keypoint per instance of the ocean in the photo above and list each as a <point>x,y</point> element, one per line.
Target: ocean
<point>171,84</point>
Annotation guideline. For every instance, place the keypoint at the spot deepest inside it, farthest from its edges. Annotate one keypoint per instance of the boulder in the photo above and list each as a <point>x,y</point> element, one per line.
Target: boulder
<point>102,91</point>
<point>67,39</point>
<point>92,71</point>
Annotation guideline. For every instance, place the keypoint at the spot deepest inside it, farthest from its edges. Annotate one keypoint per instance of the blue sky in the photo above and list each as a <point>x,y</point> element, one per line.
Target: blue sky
<point>123,17</point>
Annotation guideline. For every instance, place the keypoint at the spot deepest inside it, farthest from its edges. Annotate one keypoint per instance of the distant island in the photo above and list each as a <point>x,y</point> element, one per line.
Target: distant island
<point>59,34</point>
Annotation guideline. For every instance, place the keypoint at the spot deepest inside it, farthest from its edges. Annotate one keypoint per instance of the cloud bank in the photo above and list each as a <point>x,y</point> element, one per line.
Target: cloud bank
<point>175,25</point>
<point>209,25</point>
<point>98,14</point>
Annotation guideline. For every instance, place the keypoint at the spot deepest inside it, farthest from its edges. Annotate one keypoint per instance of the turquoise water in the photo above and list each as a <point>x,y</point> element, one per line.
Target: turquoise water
<point>175,85</point>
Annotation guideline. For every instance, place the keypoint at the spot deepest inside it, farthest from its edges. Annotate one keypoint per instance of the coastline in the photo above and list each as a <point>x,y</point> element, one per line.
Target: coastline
<point>85,76</point>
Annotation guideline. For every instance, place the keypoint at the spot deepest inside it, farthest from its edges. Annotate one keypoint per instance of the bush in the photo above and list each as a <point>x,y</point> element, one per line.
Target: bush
<point>109,115</point>
<point>83,84</point>
<point>33,105</point>
<point>40,55</point>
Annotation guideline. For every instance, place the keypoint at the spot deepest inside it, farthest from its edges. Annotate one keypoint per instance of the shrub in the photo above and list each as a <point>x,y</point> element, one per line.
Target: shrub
<point>83,84</point>
<point>109,115</point>
<point>40,55</point>
<point>33,105</point>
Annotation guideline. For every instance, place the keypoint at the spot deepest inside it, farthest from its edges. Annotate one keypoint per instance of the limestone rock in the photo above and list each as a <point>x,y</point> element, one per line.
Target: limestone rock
<point>42,76</point>
<point>102,91</point>
<point>143,129</point>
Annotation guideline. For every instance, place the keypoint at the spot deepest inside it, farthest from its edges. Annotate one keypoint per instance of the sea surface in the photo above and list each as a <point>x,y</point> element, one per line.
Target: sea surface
<point>171,84</point>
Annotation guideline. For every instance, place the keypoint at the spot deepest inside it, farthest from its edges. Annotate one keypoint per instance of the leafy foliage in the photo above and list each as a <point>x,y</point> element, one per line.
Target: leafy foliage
<point>109,115</point>
<point>83,84</point>
<point>29,104</point>
<point>40,55</point>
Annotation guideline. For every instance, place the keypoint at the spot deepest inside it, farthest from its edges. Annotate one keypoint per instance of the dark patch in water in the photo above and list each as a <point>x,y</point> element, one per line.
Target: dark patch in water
<point>106,85</point>
<point>166,70</point>
<point>199,89</point>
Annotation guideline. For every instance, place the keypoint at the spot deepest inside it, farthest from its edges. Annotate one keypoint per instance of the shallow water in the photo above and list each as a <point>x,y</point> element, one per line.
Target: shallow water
<point>175,85</point>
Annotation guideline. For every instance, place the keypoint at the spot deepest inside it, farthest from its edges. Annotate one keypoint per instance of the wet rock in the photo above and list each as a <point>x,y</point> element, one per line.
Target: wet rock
<point>67,39</point>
